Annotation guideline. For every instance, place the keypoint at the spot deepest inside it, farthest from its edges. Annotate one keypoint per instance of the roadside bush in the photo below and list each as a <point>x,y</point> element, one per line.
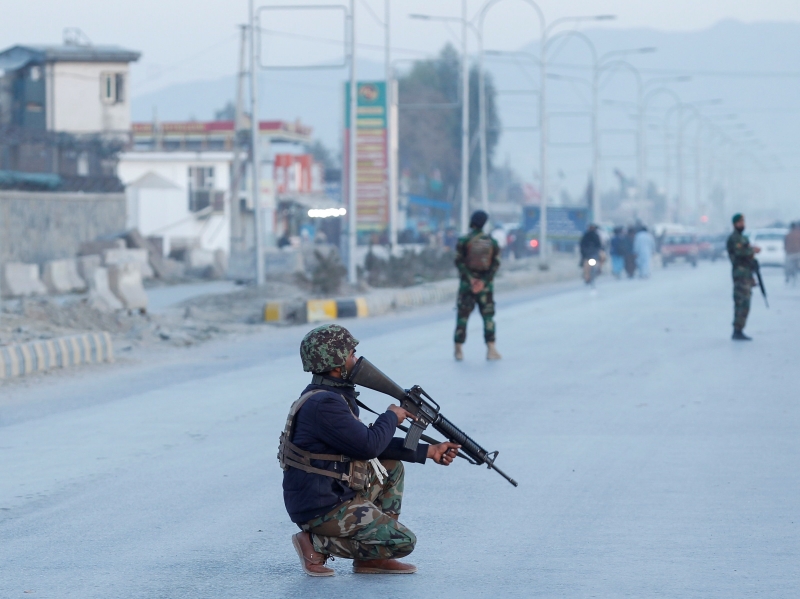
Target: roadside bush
<point>409,268</point>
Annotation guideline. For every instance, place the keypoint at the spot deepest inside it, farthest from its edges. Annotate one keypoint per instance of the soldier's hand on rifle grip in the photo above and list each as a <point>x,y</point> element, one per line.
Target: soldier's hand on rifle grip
<point>400,413</point>
<point>443,453</point>
<point>756,249</point>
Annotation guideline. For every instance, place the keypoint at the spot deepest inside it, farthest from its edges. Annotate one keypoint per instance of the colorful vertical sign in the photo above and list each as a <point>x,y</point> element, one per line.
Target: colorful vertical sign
<point>372,185</point>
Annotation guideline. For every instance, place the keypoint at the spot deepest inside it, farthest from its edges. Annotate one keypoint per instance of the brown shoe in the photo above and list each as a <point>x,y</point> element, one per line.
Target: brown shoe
<point>382,566</point>
<point>458,353</point>
<point>313,561</point>
<point>491,351</point>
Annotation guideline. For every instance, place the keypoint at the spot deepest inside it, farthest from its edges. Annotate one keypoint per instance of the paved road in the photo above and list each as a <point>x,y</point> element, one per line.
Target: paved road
<point>655,457</point>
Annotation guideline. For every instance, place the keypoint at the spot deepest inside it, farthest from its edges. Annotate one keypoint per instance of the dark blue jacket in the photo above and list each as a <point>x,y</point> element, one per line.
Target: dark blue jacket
<point>619,245</point>
<point>327,423</point>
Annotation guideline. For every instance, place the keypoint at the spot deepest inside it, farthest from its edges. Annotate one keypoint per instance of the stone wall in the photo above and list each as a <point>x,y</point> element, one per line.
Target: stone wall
<point>40,226</point>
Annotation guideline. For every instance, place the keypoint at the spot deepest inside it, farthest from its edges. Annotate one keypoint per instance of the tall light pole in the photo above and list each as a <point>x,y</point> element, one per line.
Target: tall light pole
<point>464,122</point>
<point>255,154</point>
<point>598,65</point>
<point>543,123</point>
<point>391,127</point>
<point>482,92</point>
<point>352,167</point>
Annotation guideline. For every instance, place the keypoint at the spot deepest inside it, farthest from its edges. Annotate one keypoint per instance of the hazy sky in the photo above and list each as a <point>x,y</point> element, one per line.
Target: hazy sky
<point>184,40</point>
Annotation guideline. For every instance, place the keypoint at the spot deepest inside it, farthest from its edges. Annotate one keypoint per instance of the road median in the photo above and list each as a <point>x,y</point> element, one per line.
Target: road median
<point>382,301</point>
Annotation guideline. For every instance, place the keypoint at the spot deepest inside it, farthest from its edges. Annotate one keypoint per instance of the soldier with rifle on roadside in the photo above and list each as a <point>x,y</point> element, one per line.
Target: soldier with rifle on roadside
<point>745,265</point>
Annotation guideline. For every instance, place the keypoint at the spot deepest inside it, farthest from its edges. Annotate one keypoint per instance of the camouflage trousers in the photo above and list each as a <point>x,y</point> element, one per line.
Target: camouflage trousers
<point>742,290</point>
<point>366,526</point>
<point>466,304</point>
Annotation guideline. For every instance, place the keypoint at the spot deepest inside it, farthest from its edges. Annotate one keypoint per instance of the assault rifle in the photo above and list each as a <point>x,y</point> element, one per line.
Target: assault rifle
<point>427,413</point>
<point>757,271</point>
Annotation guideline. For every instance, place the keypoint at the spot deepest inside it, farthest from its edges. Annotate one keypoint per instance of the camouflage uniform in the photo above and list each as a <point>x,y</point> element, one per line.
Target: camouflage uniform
<point>466,301</point>
<point>366,527</point>
<point>741,254</point>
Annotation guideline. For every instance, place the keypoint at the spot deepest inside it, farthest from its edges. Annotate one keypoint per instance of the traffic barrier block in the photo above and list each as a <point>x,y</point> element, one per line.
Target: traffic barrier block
<point>100,295</point>
<point>61,276</point>
<point>20,279</point>
<point>125,281</point>
<point>62,352</point>
<point>129,256</point>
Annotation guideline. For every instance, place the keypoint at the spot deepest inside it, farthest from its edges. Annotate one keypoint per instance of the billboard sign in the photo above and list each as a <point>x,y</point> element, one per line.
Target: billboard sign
<point>563,223</point>
<point>372,185</point>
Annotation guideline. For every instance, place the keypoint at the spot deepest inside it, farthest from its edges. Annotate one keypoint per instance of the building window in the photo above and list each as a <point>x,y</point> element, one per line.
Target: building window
<point>119,88</point>
<point>36,73</point>
<point>201,186</point>
<point>112,88</point>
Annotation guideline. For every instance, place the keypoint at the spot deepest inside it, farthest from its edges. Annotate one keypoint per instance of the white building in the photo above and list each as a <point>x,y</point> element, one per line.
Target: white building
<point>71,88</point>
<point>179,184</point>
<point>180,196</point>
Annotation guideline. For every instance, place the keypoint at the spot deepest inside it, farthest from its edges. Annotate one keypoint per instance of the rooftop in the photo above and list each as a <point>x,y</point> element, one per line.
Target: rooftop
<point>21,55</point>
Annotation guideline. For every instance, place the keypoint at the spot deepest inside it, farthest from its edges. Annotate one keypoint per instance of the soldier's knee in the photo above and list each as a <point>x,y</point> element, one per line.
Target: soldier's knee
<point>405,544</point>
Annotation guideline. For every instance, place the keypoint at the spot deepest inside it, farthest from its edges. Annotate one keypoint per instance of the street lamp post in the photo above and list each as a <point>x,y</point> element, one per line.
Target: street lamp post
<point>352,167</point>
<point>598,65</point>
<point>543,123</point>
<point>255,154</point>
<point>464,122</point>
<point>482,92</point>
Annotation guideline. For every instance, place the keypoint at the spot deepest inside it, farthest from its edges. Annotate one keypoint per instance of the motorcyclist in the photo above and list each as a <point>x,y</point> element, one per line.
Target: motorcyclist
<point>591,248</point>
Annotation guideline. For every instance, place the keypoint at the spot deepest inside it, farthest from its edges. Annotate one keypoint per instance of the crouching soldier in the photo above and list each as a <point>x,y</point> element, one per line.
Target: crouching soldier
<point>343,480</point>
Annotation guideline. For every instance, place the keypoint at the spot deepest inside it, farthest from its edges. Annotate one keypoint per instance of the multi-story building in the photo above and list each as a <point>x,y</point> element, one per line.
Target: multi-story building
<point>64,109</point>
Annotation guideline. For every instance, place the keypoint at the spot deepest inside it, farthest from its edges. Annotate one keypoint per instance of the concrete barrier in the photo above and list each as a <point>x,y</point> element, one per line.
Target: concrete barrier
<point>87,266</point>
<point>61,352</point>
<point>125,281</point>
<point>61,276</point>
<point>129,256</point>
<point>21,279</point>
<point>100,295</point>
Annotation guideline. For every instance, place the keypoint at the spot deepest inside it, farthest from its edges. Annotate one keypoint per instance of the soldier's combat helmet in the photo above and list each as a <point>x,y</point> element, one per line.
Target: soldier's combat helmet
<point>326,347</point>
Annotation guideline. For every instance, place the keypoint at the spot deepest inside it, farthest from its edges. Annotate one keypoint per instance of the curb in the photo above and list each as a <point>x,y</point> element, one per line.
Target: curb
<point>382,301</point>
<point>317,310</point>
<point>60,352</point>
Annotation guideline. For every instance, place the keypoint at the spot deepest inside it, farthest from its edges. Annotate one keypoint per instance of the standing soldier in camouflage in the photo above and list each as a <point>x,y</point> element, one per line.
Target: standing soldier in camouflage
<point>477,260</point>
<point>343,480</point>
<point>742,256</point>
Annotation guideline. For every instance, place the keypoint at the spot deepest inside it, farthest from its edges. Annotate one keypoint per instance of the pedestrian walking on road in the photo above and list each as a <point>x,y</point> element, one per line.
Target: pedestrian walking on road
<point>630,255</point>
<point>343,480</point>
<point>742,256</point>
<point>618,249</point>
<point>644,246</point>
<point>477,261</point>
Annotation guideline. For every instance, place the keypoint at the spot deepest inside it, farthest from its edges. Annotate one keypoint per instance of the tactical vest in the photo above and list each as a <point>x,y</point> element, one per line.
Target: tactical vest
<point>479,253</point>
<point>353,473</point>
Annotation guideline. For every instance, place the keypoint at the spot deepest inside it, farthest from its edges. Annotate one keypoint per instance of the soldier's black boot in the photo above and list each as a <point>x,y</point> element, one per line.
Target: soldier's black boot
<point>738,335</point>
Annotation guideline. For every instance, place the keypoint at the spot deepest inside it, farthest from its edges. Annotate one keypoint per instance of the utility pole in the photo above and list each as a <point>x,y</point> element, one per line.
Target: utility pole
<point>482,121</point>
<point>391,129</point>
<point>464,122</point>
<point>543,153</point>
<point>237,238</point>
<point>352,273</point>
<point>255,158</point>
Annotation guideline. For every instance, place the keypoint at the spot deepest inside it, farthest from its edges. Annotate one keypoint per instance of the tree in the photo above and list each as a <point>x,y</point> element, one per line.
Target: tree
<point>226,113</point>
<point>430,136</point>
